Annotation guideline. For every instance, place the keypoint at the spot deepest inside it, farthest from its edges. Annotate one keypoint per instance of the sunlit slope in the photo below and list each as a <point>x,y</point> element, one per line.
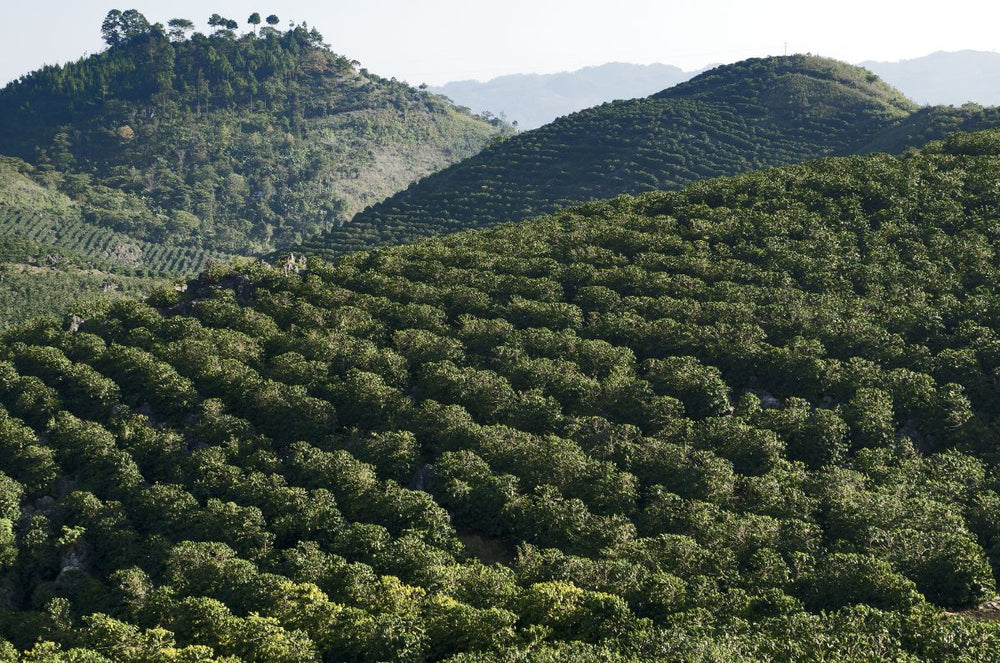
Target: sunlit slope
<point>732,119</point>
<point>756,419</point>
<point>240,144</point>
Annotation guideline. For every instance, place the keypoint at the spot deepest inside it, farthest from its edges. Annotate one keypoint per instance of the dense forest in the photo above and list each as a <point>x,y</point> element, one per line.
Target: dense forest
<point>756,419</point>
<point>237,143</point>
<point>732,119</point>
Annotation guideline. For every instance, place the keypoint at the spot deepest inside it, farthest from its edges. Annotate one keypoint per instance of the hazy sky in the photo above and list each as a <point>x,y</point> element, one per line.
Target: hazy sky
<point>435,41</point>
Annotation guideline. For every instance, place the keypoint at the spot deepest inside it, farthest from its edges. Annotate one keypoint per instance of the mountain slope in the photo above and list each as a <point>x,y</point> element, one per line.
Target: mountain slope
<point>532,100</point>
<point>932,123</point>
<point>756,419</point>
<point>32,209</point>
<point>50,256</point>
<point>953,78</point>
<point>732,119</point>
<point>240,143</point>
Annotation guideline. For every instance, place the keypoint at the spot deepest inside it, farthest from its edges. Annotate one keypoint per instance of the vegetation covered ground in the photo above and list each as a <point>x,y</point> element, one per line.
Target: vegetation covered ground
<point>51,257</point>
<point>172,149</point>
<point>752,420</point>
<point>238,143</point>
<point>732,119</point>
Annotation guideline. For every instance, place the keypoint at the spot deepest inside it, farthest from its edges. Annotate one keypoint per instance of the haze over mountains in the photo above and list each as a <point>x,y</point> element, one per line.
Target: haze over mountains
<point>535,99</point>
<point>945,78</point>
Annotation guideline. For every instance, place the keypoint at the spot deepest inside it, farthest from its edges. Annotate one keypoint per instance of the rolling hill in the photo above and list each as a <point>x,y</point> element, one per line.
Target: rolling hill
<point>752,420</point>
<point>942,78</point>
<point>165,151</point>
<point>732,119</point>
<point>237,144</point>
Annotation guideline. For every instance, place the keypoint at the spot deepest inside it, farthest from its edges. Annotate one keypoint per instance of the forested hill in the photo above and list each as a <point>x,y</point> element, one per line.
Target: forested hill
<point>800,89</point>
<point>243,143</point>
<point>732,119</point>
<point>754,420</point>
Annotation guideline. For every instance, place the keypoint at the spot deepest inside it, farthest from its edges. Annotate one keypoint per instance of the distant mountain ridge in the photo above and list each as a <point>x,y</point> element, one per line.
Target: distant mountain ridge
<point>735,118</point>
<point>536,99</point>
<point>940,78</point>
<point>945,77</point>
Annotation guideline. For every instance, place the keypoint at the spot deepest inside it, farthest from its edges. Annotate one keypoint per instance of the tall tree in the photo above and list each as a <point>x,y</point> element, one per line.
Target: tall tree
<point>179,27</point>
<point>271,21</point>
<point>223,26</point>
<point>134,22</point>
<point>111,27</point>
<point>254,20</point>
<point>118,26</point>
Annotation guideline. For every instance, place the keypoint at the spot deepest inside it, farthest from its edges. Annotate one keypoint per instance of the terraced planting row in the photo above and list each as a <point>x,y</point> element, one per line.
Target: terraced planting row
<point>104,246</point>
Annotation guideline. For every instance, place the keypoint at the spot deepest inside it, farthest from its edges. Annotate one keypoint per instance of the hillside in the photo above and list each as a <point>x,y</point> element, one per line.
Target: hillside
<point>32,209</point>
<point>52,255</point>
<point>753,420</point>
<point>947,78</point>
<point>32,285</point>
<point>532,100</point>
<point>732,119</point>
<point>932,123</point>
<point>238,143</point>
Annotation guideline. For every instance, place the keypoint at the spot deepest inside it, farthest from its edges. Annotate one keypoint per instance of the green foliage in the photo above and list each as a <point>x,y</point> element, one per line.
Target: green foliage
<point>65,241</point>
<point>732,119</point>
<point>752,420</point>
<point>225,143</point>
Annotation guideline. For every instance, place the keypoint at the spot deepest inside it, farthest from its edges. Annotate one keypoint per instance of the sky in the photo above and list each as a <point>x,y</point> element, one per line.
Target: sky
<point>436,41</point>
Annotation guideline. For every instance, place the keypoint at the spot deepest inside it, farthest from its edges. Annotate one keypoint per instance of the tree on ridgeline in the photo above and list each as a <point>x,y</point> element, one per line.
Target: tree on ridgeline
<point>269,29</point>
<point>179,28</point>
<point>224,27</point>
<point>121,26</point>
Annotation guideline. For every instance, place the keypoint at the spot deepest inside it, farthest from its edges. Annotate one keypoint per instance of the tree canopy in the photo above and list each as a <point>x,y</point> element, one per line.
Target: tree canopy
<point>263,139</point>
<point>756,419</point>
<point>121,26</point>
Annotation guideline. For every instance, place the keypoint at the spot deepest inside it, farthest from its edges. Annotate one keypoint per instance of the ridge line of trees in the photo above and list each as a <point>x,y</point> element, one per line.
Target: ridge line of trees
<point>119,27</point>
